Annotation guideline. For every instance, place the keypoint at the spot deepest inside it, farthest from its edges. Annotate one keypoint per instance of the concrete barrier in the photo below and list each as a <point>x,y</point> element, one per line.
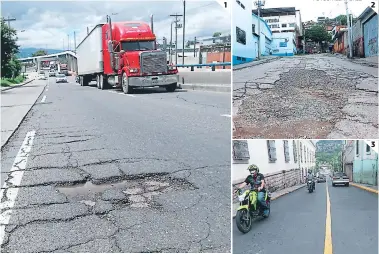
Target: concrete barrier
<point>206,80</point>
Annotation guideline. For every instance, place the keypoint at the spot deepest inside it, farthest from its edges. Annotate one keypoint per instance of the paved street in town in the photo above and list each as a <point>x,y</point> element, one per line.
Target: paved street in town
<point>313,96</point>
<point>101,171</point>
<point>298,223</point>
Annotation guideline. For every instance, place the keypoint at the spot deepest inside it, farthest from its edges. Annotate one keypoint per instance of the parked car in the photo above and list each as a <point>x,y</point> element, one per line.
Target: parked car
<point>340,178</point>
<point>61,78</point>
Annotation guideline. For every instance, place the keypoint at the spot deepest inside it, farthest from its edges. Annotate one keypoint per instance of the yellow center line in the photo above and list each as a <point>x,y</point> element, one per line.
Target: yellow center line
<point>328,246</point>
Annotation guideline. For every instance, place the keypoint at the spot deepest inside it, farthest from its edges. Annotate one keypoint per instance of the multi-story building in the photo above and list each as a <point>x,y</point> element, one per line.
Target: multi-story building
<point>365,164</point>
<point>367,27</point>
<point>246,35</point>
<point>283,162</point>
<point>348,158</point>
<point>286,27</point>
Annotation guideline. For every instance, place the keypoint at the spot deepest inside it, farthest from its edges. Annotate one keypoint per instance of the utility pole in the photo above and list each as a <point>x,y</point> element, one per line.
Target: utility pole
<point>350,55</point>
<point>184,28</point>
<point>9,19</point>
<point>259,4</point>
<point>170,49</point>
<point>68,42</point>
<point>74,42</point>
<point>194,48</point>
<point>176,35</point>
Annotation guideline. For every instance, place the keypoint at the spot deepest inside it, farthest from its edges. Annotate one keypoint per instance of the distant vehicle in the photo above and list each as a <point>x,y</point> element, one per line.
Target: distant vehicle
<point>321,179</point>
<point>52,73</point>
<point>340,178</point>
<point>124,55</point>
<point>42,76</point>
<point>61,78</point>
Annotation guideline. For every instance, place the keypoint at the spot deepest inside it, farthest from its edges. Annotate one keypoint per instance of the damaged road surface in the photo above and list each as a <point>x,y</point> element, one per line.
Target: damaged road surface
<point>99,171</point>
<point>313,96</point>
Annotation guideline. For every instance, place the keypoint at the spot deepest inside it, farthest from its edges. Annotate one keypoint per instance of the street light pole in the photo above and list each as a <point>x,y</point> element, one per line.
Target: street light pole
<point>170,49</point>
<point>259,4</point>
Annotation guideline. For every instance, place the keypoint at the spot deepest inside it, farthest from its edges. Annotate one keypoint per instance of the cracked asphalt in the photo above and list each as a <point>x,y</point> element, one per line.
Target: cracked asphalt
<point>313,96</point>
<point>108,172</point>
<point>297,223</point>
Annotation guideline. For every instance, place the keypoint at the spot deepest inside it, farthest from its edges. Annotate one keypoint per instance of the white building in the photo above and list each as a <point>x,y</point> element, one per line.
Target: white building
<point>284,20</point>
<point>283,162</point>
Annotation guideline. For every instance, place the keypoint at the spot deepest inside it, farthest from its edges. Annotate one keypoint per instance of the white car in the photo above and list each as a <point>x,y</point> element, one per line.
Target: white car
<point>60,78</point>
<point>42,77</point>
<point>340,178</point>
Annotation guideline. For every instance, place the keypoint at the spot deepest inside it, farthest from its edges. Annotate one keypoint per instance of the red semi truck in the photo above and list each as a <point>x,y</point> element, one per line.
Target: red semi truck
<point>124,55</point>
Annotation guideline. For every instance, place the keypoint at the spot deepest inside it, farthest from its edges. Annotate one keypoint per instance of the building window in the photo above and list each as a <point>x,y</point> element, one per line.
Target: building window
<point>294,151</point>
<point>253,28</point>
<point>286,151</point>
<point>241,153</point>
<point>240,4</point>
<point>291,25</point>
<point>284,25</point>
<point>271,150</point>
<point>357,147</point>
<point>275,26</point>
<point>241,35</point>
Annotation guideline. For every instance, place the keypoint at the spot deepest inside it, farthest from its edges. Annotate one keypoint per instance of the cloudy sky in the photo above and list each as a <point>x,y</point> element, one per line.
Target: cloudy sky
<point>47,23</point>
<point>311,9</point>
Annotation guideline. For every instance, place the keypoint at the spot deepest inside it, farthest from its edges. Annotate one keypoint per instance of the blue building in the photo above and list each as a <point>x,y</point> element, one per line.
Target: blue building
<point>365,164</point>
<point>245,33</point>
<point>284,44</point>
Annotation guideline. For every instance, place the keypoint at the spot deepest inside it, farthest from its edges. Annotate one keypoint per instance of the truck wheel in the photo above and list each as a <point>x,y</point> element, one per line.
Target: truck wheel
<point>81,81</point>
<point>172,87</point>
<point>125,84</point>
<point>98,81</point>
<point>103,82</point>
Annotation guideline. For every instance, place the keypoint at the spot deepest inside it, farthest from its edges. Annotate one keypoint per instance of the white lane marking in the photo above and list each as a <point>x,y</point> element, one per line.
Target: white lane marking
<point>43,99</point>
<point>227,115</point>
<point>131,95</point>
<point>17,170</point>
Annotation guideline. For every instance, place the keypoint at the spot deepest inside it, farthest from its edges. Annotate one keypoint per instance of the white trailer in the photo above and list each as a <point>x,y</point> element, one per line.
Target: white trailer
<point>89,56</point>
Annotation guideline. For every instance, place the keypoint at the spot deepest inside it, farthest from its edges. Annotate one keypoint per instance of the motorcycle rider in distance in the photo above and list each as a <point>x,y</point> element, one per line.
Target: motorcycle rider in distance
<point>310,176</point>
<point>256,178</point>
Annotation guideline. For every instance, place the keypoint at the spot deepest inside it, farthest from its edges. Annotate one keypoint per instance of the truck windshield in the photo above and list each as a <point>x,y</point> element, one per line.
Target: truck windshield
<point>137,45</point>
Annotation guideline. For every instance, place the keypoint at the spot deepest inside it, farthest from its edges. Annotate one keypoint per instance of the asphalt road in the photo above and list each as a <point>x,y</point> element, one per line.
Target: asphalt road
<point>108,172</point>
<point>313,96</point>
<point>298,224</point>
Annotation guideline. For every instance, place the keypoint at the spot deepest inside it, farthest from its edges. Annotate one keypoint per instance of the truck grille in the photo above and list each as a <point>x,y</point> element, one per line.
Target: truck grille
<point>153,62</point>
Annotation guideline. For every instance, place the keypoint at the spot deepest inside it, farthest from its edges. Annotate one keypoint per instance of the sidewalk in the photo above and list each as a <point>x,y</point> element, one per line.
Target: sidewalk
<point>31,76</point>
<point>274,195</point>
<point>263,60</point>
<point>367,61</point>
<point>367,187</point>
<point>15,105</point>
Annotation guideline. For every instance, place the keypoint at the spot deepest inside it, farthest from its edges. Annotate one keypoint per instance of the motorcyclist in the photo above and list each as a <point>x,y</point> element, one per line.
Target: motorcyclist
<point>310,176</point>
<point>256,178</point>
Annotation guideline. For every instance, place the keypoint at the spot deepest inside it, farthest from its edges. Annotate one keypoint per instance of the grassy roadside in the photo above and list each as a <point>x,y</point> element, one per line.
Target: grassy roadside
<point>11,82</point>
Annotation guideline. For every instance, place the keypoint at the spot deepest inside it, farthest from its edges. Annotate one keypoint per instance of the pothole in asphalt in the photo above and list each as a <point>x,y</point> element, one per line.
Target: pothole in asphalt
<point>138,193</point>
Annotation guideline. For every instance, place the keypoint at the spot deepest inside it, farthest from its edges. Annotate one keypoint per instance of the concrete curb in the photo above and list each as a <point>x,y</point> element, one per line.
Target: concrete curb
<point>364,188</point>
<point>11,87</point>
<point>254,63</point>
<point>285,193</point>
<point>18,125</point>
<point>211,88</point>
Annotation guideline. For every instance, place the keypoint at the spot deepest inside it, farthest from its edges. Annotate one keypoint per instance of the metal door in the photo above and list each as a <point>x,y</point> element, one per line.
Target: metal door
<point>370,35</point>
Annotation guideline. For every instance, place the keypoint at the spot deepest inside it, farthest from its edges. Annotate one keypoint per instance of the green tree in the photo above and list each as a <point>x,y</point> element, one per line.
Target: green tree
<point>216,34</point>
<point>40,53</point>
<point>317,33</point>
<point>9,49</point>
